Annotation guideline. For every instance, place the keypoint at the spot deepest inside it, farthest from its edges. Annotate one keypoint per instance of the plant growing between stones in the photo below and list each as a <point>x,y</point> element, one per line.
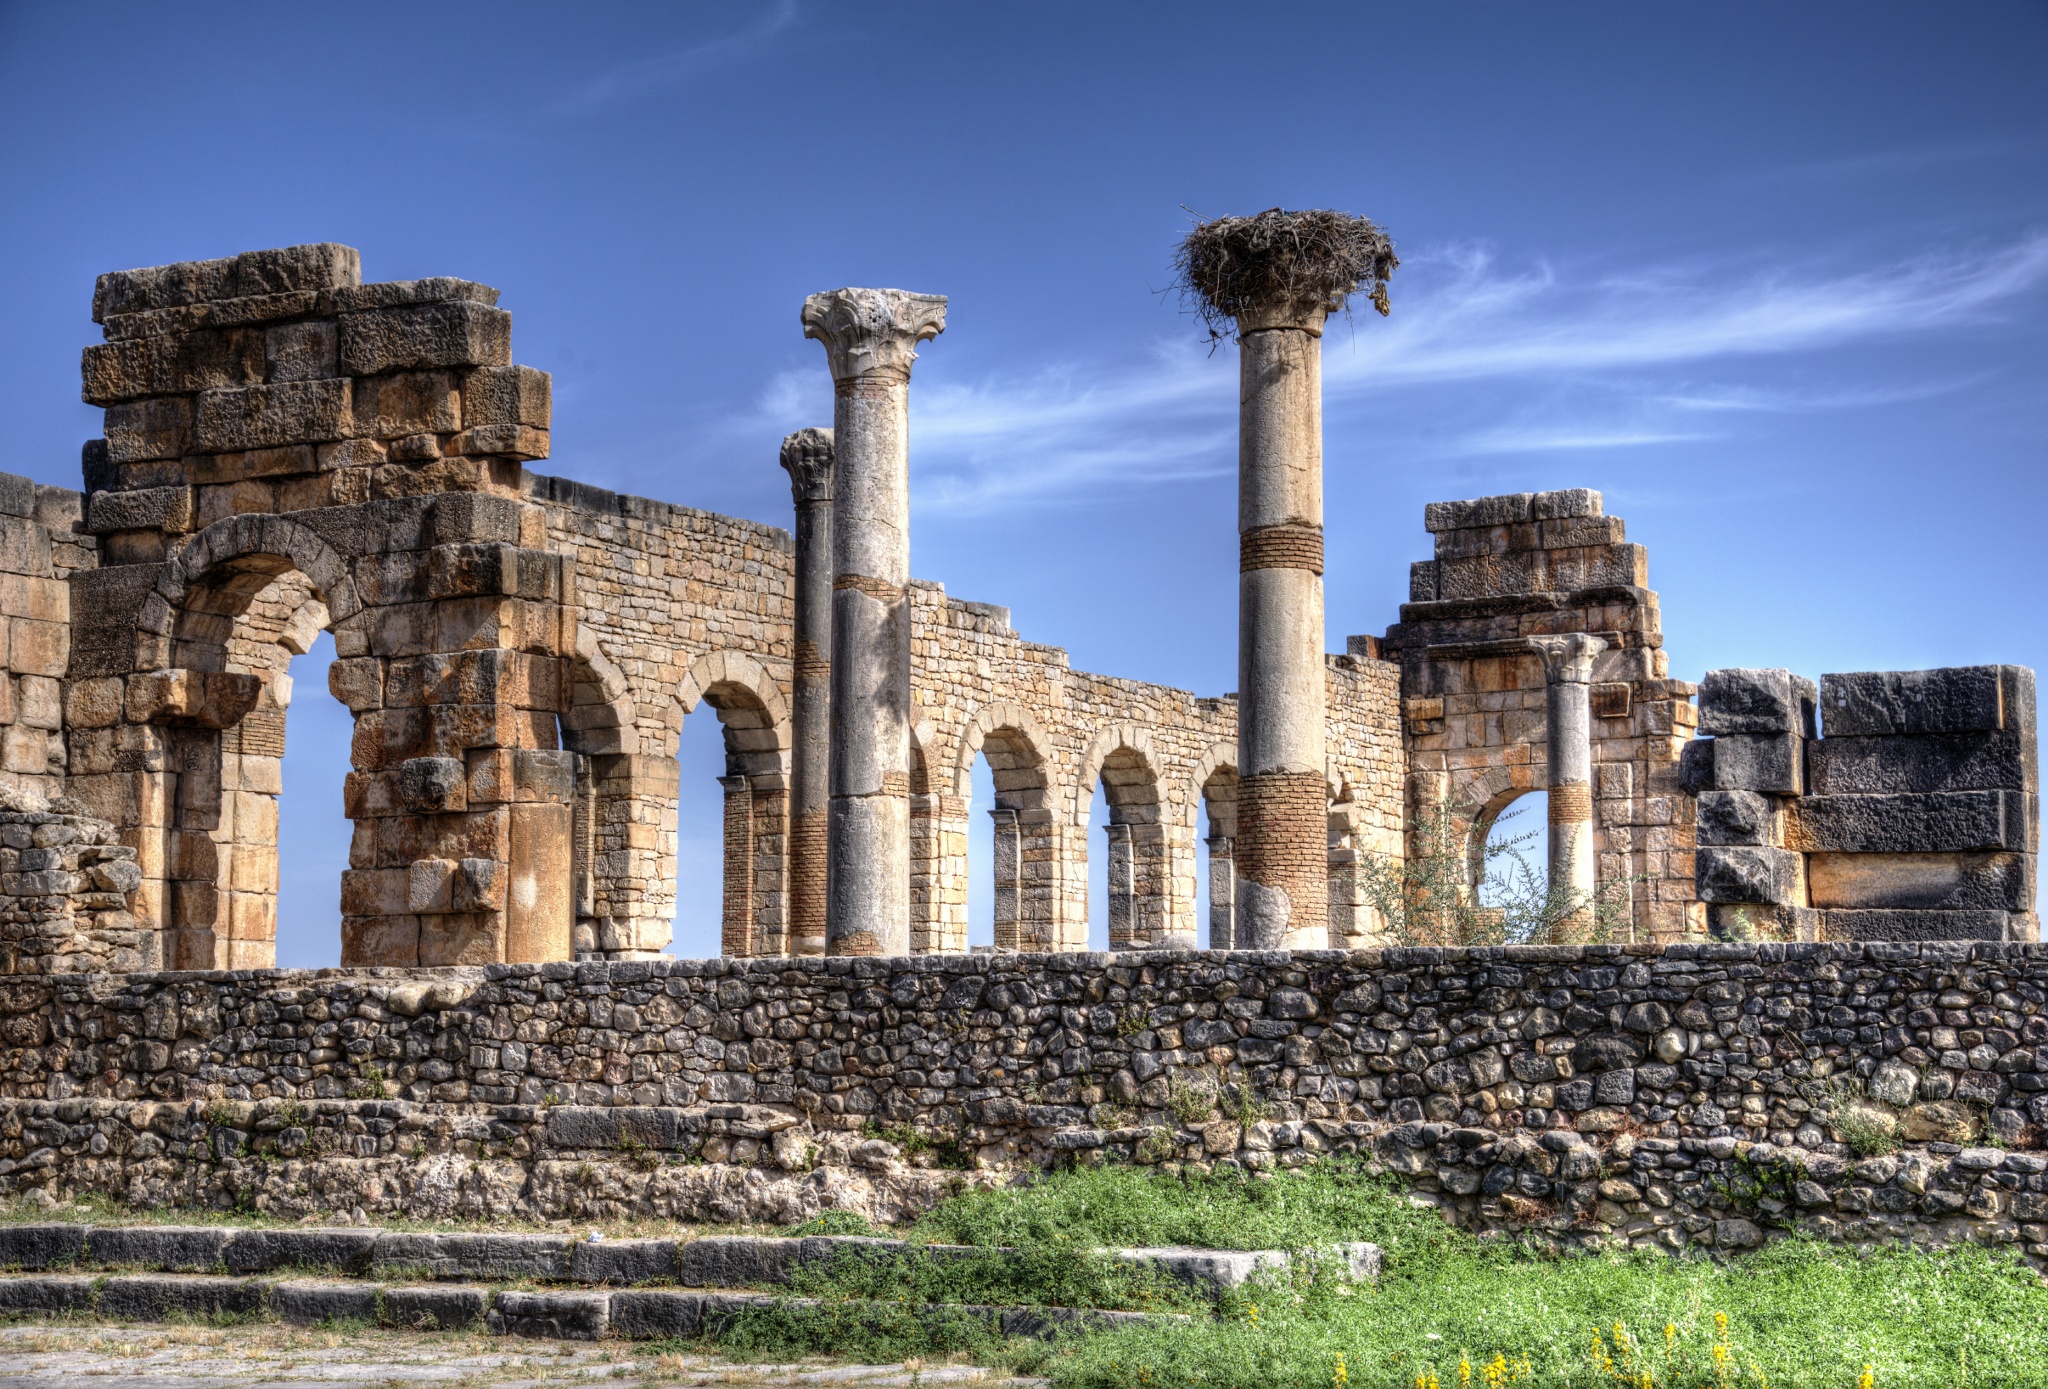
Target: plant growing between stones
<point>1191,1104</point>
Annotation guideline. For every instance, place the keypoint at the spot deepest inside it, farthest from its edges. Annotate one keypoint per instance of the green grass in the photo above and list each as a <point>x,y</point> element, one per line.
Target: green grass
<point>1799,1314</point>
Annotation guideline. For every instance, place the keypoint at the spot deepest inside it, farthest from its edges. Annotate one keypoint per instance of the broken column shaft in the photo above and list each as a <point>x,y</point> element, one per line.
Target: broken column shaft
<point>807,455</point>
<point>1568,677</point>
<point>1282,836</point>
<point>870,336</point>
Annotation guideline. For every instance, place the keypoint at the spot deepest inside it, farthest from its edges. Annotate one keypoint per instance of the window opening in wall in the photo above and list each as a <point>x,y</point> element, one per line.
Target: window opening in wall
<point>1098,870</point>
<point>1523,825</point>
<point>981,856</point>
<point>700,838</point>
<point>313,832</point>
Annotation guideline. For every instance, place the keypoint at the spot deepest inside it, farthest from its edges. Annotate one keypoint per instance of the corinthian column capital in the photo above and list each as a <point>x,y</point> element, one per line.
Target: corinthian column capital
<point>871,332</point>
<point>1568,660</point>
<point>807,458</point>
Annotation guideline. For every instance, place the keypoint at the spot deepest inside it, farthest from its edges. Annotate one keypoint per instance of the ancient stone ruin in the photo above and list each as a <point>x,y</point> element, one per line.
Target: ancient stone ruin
<point>1828,901</point>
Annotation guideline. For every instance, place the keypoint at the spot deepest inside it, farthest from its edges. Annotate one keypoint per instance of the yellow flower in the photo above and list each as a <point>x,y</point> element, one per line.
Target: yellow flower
<point>1341,1376</point>
<point>1464,1372</point>
<point>1721,1327</point>
<point>1670,1334</point>
<point>1868,1379</point>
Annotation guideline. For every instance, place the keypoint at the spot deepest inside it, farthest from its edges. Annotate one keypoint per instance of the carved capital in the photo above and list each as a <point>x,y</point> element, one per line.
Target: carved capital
<point>1284,311</point>
<point>1568,660</point>
<point>807,458</point>
<point>873,332</point>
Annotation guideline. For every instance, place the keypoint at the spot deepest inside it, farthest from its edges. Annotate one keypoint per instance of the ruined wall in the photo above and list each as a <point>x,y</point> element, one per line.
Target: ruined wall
<point>1643,1095</point>
<point>1917,816</point>
<point>1509,568</point>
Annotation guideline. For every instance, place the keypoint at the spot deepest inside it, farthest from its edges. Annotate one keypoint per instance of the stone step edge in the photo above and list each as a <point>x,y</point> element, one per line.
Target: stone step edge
<point>627,1314</point>
<point>710,1261</point>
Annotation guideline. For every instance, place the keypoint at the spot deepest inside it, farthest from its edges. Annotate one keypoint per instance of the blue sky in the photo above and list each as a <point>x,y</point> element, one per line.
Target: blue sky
<point>1771,277</point>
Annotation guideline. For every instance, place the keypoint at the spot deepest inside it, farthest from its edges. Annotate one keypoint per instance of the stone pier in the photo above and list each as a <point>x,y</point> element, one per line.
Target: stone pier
<point>1283,793</point>
<point>1568,679</point>
<point>870,337</point>
<point>807,455</point>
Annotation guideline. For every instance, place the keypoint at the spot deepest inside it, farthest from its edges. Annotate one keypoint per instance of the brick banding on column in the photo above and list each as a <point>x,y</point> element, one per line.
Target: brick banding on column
<point>873,588</point>
<point>1571,804</point>
<point>1289,546</point>
<point>811,661</point>
<point>896,784</point>
<point>1282,842</point>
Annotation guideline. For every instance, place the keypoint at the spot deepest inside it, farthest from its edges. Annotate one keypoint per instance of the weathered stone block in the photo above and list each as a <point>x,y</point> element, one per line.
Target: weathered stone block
<point>267,1251</point>
<point>207,698</point>
<point>648,1316</point>
<point>1745,874</point>
<point>46,1296</point>
<point>555,1316</point>
<point>169,366</point>
<point>501,441</point>
<point>2004,759</point>
<point>461,517</point>
<point>1909,822</point>
<point>390,407</point>
<point>738,1261</point>
<point>416,337</point>
<point>434,1309</point>
<point>1966,699</point>
<point>41,1246</point>
<point>488,1257</point>
<point>151,508</point>
<point>1773,762</point>
<point>439,289</point>
<point>1756,701</point>
<point>623,1262</point>
<point>1504,510</point>
<point>252,273</point>
<point>144,429</point>
<point>512,395</point>
<point>1857,924</point>
<point>160,1296</point>
<point>432,785</point>
<point>263,417</point>
<point>301,1302</point>
<point>1734,817</point>
<point>1981,881</point>
<point>176,1248</point>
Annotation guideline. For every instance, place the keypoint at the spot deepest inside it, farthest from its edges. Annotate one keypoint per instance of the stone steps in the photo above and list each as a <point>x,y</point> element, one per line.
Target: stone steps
<point>711,1261</point>
<point>630,1314</point>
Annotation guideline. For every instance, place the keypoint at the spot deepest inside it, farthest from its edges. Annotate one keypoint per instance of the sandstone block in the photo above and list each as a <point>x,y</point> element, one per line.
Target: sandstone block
<point>211,360</point>
<point>144,429</point>
<point>21,496</point>
<point>358,682</point>
<point>1910,822</point>
<point>432,785</point>
<point>501,441</point>
<point>452,334</point>
<point>461,517</point>
<point>24,547</point>
<point>390,407</point>
<point>376,892</point>
<point>299,351</point>
<point>439,289</point>
<point>1967,881</point>
<point>380,940</point>
<point>521,775</point>
<point>150,508</point>
<point>1506,510</point>
<point>512,395</point>
<point>37,648</point>
<point>310,267</point>
<point>262,417</point>
<point>462,571</point>
<point>1968,699</point>
<point>208,698</point>
<point>1745,874</point>
<point>42,600</point>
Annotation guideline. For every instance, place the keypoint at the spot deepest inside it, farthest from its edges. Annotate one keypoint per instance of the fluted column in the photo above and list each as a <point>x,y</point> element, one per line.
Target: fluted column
<point>870,336</point>
<point>807,456</point>
<point>1568,676</point>
<point>1283,796</point>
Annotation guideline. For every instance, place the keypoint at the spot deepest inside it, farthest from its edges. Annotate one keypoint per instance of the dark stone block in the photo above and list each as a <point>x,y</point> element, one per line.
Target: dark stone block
<point>491,1257</point>
<point>59,1293</point>
<point>175,1248</point>
<point>649,1316</point>
<point>1772,762</point>
<point>554,1316</point>
<point>41,1246</point>
<point>1960,699</point>
<point>1936,822</point>
<point>1878,925</point>
<point>1756,701</point>
<point>737,1261</point>
<point>592,1126</point>
<point>154,1297</point>
<point>2001,760</point>
<point>623,1262</point>
<point>310,1303</point>
<point>1744,874</point>
<point>265,1251</point>
<point>1734,817</point>
<point>1946,882</point>
<point>1696,766</point>
<point>434,1308</point>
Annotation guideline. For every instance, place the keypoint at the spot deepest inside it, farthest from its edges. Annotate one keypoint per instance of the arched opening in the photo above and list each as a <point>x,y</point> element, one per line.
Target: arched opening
<point>313,829</point>
<point>224,745</point>
<point>752,815</point>
<point>1217,883</point>
<point>1134,867</point>
<point>1011,852</point>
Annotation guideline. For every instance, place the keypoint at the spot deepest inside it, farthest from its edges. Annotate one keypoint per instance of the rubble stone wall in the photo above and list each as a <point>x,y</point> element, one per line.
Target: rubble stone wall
<point>1691,1093</point>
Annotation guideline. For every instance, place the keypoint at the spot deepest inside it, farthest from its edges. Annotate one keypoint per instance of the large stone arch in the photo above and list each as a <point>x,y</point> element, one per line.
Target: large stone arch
<point>233,559</point>
<point>1214,785</point>
<point>753,713</point>
<point>1123,760</point>
<point>1025,836</point>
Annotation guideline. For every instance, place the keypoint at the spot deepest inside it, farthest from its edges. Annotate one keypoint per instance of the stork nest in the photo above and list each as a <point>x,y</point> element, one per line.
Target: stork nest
<point>1231,265</point>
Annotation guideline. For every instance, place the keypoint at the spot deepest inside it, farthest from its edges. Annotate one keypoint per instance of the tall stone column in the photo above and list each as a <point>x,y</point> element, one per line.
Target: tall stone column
<point>870,337</point>
<point>807,456</point>
<point>1283,796</point>
<point>1222,894</point>
<point>1008,860</point>
<point>1568,679</point>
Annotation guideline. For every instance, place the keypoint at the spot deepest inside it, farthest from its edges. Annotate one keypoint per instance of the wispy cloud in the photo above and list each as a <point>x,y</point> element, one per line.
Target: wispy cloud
<point>660,71</point>
<point>1079,428</point>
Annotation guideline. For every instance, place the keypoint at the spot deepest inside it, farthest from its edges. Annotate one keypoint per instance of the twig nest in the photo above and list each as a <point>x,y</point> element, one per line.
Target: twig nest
<point>1282,265</point>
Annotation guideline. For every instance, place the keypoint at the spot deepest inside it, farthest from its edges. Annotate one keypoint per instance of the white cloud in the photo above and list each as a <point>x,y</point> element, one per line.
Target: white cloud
<point>1076,429</point>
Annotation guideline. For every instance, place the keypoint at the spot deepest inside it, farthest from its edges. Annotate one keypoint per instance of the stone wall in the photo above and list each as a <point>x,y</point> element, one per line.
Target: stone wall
<point>1643,1094</point>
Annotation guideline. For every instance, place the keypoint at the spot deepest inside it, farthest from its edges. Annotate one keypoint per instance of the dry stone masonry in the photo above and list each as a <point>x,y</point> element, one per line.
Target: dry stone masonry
<point>289,451</point>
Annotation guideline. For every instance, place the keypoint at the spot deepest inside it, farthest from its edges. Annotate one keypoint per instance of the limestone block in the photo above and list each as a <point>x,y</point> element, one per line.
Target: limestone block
<point>309,1302</point>
<point>376,891</point>
<point>208,698</point>
<point>390,407</point>
<point>19,496</point>
<point>357,682</point>
<point>1841,765</point>
<point>167,509</point>
<point>452,334</point>
<point>460,571</point>
<point>1734,817</point>
<point>291,268</point>
<point>431,785</point>
<point>1978,881</point>
<point>1756,701</point>
<point>1696,766</point>
<point>430,886</point>
<point>479,885</point>
<point>521,774</point>
<point>440,289</point>
<point>1966,699</point>
<point>1504,510</point>
<point>1859,924</point>
<point>1745,874</point>
<point>299,351</point>
<point>263,417</point>
<point>24,547</point>
<point>144,429</point>
<point>1910,822</point>
<point>160,366</point>
<point>1773,762</point>
<point>512,395</point>
<point>380,940</point>
<point>470,516</point>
